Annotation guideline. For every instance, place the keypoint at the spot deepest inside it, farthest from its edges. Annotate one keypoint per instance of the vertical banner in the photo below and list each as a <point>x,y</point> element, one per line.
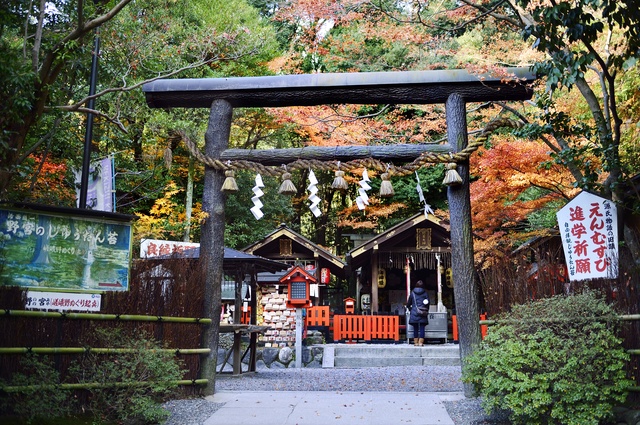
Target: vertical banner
<point>100,188</point>
<point>589,230</point>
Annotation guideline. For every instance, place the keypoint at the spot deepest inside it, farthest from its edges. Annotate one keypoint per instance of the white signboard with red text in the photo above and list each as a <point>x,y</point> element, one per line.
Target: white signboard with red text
<point>62,301</point>
<point>589,230</point>
<point>150,248</point>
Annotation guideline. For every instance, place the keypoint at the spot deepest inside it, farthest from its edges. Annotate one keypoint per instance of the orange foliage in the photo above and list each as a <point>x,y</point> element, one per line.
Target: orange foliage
<point>340,125</point>
<point>312,16</point>
<point>51,186</point>
<point>368,218</point>
<point>503,174</point>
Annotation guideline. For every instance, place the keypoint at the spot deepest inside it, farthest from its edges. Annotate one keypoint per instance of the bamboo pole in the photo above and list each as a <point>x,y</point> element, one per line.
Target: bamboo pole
<point>87,350</point>
<point>93,316</point>
<point>625,317</point>
<point>94,385</point>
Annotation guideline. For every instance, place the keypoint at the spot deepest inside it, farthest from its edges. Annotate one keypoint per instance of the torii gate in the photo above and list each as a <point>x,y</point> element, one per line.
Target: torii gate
<point>452,87</point>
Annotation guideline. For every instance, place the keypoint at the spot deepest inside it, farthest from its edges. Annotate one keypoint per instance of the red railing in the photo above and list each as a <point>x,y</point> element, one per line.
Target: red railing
<point>318,316</point>
<point>245,316</point>
<point>483,328</point>
<point>351,328</point>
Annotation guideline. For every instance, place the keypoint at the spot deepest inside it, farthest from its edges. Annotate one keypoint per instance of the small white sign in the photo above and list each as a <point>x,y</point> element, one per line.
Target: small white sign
<point>150,248</point>
<point>60,301</point>
<point>589,230</point>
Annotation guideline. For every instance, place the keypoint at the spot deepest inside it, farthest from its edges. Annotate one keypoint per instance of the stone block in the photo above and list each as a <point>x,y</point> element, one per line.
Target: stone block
<point>269,355</point>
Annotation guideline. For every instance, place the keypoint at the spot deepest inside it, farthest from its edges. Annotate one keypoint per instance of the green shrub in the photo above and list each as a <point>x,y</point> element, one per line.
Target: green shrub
<point>553,361</point>
<point>34,404</point>
<point>144,376</point>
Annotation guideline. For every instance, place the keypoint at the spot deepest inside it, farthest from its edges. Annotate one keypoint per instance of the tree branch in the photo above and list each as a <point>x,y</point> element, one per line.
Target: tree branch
<point>96,22</point>
<point>491,12</point>
<point>37,42</point>
<point>80,12</point>
<point>77,106</point>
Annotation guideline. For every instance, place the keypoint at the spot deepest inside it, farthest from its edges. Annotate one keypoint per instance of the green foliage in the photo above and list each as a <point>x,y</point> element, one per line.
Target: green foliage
<point>144,376</point>
<point>435,193</point>
<point>349,50</point>
<point>562,24</point>
<point>34,403</point>
<point>552,361</point>
<point>241,227</point>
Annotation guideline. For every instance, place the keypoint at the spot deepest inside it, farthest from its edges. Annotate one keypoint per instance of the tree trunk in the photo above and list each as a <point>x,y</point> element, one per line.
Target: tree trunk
<point>212,238</point>
<point>465,288</point>
<point>189,201</point>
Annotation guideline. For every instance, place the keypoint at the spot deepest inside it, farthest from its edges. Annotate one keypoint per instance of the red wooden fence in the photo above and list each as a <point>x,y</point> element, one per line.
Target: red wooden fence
<point>318,316</point>
<point>351,327</point>
<point>483,328</point>
<point>245,316</point>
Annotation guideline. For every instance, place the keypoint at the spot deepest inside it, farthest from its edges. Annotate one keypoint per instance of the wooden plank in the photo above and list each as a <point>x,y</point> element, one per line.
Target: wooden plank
<point>390,153</point>
<point>405,87</point>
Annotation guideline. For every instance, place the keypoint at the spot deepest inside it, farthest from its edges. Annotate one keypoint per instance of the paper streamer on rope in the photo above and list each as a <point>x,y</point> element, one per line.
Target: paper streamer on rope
<point>363,199</point>
<point>427,207</point>
<point>313,194</point>
<point>257,193</point>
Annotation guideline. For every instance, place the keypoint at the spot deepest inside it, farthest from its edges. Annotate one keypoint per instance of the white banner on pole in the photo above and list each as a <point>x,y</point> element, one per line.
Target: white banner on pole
<point>589,230</point>
<point>100,188</point>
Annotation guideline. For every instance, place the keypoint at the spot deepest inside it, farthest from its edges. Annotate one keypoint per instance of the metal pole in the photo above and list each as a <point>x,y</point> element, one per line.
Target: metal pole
<point>299,326</point>
<point>88,135</point>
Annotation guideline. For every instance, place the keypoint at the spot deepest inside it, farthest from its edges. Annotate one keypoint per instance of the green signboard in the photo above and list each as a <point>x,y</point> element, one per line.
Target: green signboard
<point>63,251</point>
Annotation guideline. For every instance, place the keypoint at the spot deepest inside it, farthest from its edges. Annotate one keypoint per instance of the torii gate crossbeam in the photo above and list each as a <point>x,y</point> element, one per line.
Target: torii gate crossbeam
<point>453,87</point>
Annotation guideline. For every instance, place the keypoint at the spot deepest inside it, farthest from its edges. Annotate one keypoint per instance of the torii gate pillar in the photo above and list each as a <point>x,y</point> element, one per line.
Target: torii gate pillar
<point>212,234</point>
<point>465,289</point>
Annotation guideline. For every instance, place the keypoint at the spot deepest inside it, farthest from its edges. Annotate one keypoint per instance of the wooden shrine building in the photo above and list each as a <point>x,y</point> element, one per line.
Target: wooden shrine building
<point>389,263</point>
<point>288,246</point>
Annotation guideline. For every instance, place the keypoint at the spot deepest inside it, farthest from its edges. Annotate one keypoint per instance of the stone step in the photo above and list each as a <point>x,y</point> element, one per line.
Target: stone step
<point>375,355</point>
<point>359,362</point>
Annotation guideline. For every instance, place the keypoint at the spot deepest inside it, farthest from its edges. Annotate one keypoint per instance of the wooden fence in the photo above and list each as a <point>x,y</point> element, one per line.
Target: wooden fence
<point>318,316</point>
<point>352,327</point>
<point>170,314</point>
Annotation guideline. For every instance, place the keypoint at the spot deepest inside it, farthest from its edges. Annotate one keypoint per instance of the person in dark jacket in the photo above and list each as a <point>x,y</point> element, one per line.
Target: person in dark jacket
<point>418,300</point>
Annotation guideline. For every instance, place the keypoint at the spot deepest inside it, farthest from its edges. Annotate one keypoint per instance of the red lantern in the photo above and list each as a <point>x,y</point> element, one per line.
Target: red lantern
<point>325,276</point>
<point>298,281</point>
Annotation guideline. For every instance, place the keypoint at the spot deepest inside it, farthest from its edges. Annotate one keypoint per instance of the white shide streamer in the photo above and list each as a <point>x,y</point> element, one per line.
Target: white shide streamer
<point>313,194</point>
<point>363,199</point>
<point>257,193</point>
<point>427,207</point>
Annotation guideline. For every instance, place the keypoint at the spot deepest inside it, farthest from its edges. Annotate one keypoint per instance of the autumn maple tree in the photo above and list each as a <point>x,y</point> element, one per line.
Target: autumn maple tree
<point>516,190</point>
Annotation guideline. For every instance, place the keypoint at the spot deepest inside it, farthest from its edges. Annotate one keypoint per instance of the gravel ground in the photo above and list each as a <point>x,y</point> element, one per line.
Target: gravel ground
<point>397,378</point>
